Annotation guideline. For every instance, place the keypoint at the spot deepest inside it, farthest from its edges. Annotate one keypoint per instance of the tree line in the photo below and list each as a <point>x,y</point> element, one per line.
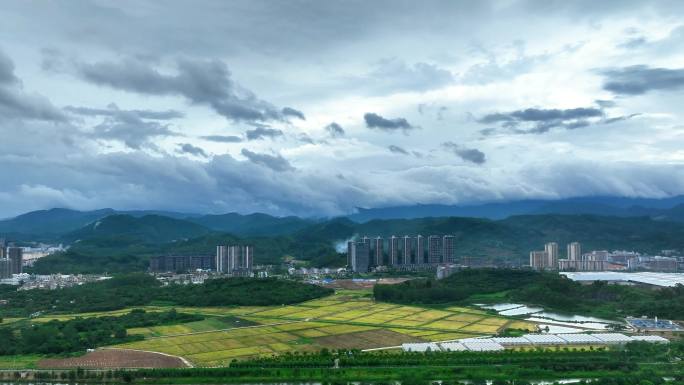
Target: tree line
<point>79,334</point>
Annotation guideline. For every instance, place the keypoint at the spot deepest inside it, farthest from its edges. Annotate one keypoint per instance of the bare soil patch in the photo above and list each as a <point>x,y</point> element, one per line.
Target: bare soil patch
<point>366,340</point>
<point>115,358</point>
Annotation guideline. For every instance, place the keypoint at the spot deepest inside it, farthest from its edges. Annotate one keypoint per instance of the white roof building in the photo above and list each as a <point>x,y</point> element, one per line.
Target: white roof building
<point>420,347</point>
<point>483,346</point>
<point>453,346</point>
<point>613,338</point>
<point>579,338</point>
<point>654,339</point>
<point>511,341</point>
<point>544,339</point>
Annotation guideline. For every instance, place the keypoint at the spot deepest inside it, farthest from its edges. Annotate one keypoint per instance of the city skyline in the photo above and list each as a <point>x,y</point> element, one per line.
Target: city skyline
<point>317,108</point>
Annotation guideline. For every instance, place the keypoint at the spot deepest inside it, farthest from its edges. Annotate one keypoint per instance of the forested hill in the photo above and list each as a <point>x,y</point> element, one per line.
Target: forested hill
<point>147,229</point>
<point>120,249</point>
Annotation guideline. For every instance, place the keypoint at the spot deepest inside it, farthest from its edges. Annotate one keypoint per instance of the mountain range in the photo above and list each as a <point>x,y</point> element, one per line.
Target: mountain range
<point>55,223</point>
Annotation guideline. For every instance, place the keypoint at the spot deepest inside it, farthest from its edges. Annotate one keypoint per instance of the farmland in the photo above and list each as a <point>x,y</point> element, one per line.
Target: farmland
<point>343,321</point>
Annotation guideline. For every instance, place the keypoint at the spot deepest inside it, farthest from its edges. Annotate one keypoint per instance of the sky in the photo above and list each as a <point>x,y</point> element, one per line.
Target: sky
<point>315,108</point>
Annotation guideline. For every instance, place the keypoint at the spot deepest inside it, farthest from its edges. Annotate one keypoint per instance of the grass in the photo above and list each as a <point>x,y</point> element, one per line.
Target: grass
<point>19,362</point>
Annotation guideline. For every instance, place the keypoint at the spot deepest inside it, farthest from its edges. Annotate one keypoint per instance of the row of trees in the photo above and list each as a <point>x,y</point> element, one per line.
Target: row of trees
<point>79,334</point>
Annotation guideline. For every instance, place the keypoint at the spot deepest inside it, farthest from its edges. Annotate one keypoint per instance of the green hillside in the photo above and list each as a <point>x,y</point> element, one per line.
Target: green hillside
<point>155,229</point>
<point>253,224</point>
<point>121,243</point>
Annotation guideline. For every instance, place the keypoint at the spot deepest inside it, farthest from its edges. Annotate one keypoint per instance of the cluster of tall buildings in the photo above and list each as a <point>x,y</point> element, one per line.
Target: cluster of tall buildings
<point>236,259</point>
<point>403,251</point>
<point>11,260</point>
<point>548,259</point>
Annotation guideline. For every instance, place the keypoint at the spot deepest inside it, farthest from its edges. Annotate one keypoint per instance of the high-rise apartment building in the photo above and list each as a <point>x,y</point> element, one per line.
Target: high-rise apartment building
<point>360,257</point>
<point>449,249</point>
<point>235,258</point>
<point>378,251</point>
<point>574,251</point>
<point>5,268</point>
<point>538,260</point>
<point>350,245</point>
<point>407,246</point>
<point>551,250</point>
<point>434,249</point>
<point>420,250</point>
<point>394,250</point>
<point>3,248</point>
<point>15,255</point>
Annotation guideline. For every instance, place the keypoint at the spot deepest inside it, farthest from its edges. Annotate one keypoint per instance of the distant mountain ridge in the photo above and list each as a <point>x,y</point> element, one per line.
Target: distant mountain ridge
<point>671,209</point>
<point>53,224</point>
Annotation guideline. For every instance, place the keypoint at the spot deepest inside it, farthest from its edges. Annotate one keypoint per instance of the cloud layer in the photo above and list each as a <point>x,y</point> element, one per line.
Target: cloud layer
<point>316,108</point>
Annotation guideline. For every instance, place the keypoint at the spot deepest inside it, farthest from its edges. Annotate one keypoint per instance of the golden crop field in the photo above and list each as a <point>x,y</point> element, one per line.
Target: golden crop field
<point>333,322</point>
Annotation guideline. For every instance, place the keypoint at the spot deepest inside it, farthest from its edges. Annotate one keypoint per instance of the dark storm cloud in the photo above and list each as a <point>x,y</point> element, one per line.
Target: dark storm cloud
<point>288,111</point>
<point>205,82</point>
<point>131,130</point>
<point>539,120</point>
<point>397,150</point>
<point>274,162</point>
<point>113,110</point>
<point>468,154</point>
<point>15,103</point>
<point>542,115</point>
<point>7,70</point>
<point>374,120</point>
<point>222,138</point>
<point>640,79</point>
<point>335,130</point>
<point>187,148</point>
<point>263,132</point>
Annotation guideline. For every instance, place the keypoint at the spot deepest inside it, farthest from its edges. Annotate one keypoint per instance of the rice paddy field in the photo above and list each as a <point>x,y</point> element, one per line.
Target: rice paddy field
<point>336,322</point>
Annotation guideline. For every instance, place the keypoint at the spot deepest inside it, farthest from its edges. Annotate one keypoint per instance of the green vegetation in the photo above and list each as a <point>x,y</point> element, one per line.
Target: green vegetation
<point>142,289</point>
<point>79,334</point>
<point>636,363</point>
<point>550,290</point>
<point>122,243</point>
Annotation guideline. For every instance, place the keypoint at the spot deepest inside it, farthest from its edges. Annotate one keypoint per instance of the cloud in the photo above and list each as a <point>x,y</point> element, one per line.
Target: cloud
<point>263,132</point>
<point>335,130</point>
<point>395,75</point>
<point>222,138</point>
<point>374,120</point>
<point>468,154</point>
<point>15,103</point>
<point>540,120</point>
<point>287,111</point>
<point>113,110</point>
<point>204,82</point>
<point>640,79</point>
<point>274,162</point>
<point>397,150</point>
<point>7,70</point>
<point>134,128</point>
<point>187,148</point>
